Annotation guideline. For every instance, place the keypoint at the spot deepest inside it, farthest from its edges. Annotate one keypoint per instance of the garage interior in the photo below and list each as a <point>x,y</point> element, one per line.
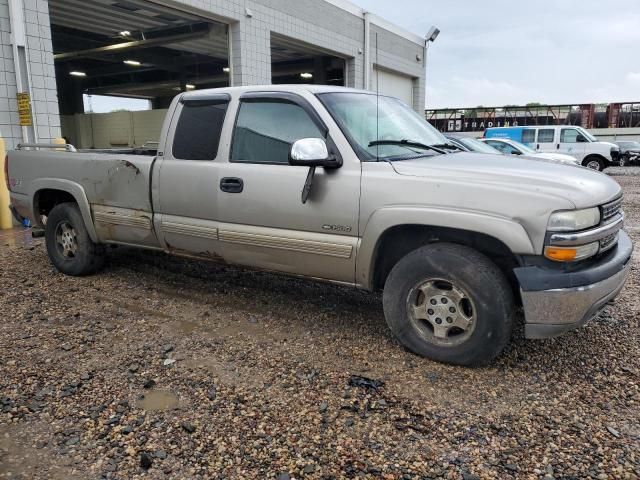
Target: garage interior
<point>141,50</point>
<point>295,62</point>
<point>133,49</point>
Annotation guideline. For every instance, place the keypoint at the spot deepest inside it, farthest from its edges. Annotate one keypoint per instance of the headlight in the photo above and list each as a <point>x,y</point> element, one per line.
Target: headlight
<point>574,220</point>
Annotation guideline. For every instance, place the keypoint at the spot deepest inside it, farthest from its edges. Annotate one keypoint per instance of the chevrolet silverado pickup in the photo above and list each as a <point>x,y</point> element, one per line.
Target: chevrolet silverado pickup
<point>350,187</point>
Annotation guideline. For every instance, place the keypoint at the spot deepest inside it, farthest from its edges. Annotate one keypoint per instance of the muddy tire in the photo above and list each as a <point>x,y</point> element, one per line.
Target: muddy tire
<point>449,303</point>
<point>68,244</point>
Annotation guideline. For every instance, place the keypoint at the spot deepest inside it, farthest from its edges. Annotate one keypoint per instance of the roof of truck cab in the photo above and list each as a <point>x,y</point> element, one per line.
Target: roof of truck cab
<point>299,88</point>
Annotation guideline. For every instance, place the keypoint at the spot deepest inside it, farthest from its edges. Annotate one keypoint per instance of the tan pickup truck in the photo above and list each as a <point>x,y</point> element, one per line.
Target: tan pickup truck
<point>349,187</point>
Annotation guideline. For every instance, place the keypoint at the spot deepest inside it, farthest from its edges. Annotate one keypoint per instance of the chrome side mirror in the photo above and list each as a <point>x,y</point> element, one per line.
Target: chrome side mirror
<point>311,152</point>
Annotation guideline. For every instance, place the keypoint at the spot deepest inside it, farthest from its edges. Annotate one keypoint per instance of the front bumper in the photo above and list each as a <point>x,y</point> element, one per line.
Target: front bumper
<point>555,302</point>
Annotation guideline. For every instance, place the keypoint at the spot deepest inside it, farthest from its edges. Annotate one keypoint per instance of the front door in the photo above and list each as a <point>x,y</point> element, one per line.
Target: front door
<point>263,221</point>
<point>569,144</point>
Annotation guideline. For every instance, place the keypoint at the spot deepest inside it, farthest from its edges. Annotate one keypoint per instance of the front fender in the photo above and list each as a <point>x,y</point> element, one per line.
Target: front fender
<point>73,189</point>
<point>509,232</point>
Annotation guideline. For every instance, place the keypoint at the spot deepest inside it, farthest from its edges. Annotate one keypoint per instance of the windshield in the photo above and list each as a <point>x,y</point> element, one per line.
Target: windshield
<point>589,137</point>
<point>366,118</point>
<point>476,145</point>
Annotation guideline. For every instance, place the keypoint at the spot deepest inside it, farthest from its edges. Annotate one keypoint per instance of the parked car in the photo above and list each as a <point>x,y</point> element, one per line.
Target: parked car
<point>470,144</point>
<point>511,147</point>
<point>566,139</point>
<point>351,188</point>
<point>629,152</point>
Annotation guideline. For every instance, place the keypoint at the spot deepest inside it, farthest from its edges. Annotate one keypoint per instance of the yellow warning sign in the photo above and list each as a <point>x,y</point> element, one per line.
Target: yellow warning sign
<point>24,110</point>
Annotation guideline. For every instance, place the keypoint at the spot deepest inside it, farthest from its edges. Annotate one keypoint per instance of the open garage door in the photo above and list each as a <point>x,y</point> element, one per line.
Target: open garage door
<point>393,84</point>
<point>293,61</point>
<point>129,49</point>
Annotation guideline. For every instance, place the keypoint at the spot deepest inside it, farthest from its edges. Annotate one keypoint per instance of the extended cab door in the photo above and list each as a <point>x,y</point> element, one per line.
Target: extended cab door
<point>186,177</point>
<point>263,222</point>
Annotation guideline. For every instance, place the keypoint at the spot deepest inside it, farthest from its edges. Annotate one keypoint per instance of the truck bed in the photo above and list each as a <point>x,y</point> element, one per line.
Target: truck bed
<point>115,184</point>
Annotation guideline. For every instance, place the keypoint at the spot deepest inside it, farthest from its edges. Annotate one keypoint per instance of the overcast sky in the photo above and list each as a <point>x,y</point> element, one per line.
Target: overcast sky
<point>497,52</point>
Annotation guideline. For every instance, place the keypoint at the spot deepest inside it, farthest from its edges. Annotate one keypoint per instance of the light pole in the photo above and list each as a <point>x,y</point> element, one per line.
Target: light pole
<point>431,36</point>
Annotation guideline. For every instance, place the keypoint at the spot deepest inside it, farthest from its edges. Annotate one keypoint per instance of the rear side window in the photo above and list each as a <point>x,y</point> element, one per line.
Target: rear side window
<point>545,135</point>
<point>197,134</point>
<point>266,129</point>
<point>528,135</point>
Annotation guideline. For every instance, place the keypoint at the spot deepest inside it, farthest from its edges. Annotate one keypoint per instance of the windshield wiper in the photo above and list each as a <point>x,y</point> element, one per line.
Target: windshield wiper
<point>448,146</point>
<point>407,143</point>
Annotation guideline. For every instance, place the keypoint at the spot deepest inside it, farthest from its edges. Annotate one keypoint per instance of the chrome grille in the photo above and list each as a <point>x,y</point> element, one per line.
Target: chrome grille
<point>608,242</point>
<point>610,210</point>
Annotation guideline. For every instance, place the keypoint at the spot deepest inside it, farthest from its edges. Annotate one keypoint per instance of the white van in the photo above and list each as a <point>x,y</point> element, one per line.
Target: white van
<point>566,139</point>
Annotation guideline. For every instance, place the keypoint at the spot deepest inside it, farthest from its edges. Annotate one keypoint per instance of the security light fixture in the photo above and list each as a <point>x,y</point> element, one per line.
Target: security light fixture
<point>306,75</point>
<point>226,69</point>
<point>190,86</point>
<point>432,34</point>
<point>133,63</point>
<point>77,74</point>
<point>125,33</point>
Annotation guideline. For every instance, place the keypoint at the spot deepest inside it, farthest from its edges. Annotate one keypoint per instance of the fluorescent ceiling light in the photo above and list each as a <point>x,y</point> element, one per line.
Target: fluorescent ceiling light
<point>190,86</point>
<point>134,63</point>
<point>226,69</point>
<point>306,75</point>
<point>78,74</point>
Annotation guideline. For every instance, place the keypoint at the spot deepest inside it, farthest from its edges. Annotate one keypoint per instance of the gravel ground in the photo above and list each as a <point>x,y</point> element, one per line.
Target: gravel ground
<point>165,368</point>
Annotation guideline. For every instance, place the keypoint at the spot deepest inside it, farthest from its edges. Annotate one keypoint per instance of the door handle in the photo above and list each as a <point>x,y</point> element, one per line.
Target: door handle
<point>231,185</point>
<point>558,146</point>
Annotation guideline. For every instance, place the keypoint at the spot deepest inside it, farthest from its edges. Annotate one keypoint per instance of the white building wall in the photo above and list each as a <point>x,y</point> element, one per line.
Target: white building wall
<point>335,27</point>
<point>41,74</point>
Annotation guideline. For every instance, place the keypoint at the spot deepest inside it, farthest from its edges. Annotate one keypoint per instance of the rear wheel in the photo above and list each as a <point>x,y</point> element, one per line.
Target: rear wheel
<point>594,163</point>
<point>449,303</point>
<point>69,246</point>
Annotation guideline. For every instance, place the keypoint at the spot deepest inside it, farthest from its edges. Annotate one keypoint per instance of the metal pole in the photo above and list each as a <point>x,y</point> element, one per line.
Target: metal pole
<point>367,51</point>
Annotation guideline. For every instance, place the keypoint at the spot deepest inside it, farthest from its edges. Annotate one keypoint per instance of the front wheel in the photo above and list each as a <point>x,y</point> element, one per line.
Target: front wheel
<point>449,303</point>
<point>69,246</point>
<point>594,164</point>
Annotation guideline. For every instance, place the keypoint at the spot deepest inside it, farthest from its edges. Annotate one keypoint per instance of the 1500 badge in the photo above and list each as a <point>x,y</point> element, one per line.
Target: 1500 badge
<point>337,228</point>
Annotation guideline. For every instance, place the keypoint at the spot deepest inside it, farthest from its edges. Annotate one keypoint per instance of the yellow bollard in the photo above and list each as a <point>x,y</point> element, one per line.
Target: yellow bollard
<point>5,213</point>
<point>59,141</point>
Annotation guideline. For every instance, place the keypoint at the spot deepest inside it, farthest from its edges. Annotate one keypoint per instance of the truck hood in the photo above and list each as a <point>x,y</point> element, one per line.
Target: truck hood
<point>581,186</point>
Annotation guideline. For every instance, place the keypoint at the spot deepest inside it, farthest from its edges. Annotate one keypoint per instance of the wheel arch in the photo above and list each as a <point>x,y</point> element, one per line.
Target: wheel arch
<point>383,244</point>
<point>46,193</point>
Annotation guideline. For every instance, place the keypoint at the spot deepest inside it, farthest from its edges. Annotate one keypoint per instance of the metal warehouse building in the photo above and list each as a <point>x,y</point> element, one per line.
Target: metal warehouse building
<point>55,52</point>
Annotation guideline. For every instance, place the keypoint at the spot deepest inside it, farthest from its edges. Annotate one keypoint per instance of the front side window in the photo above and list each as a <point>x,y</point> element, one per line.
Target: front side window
<point>365,118</point>
<point>197,134</point>
<point>569,135</point>
<point>545,135</point>
<point>266,129</point>
<point>587,135</point>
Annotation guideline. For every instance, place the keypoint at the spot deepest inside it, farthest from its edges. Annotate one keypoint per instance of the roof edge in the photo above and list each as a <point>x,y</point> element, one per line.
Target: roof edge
<point>354,9</point>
